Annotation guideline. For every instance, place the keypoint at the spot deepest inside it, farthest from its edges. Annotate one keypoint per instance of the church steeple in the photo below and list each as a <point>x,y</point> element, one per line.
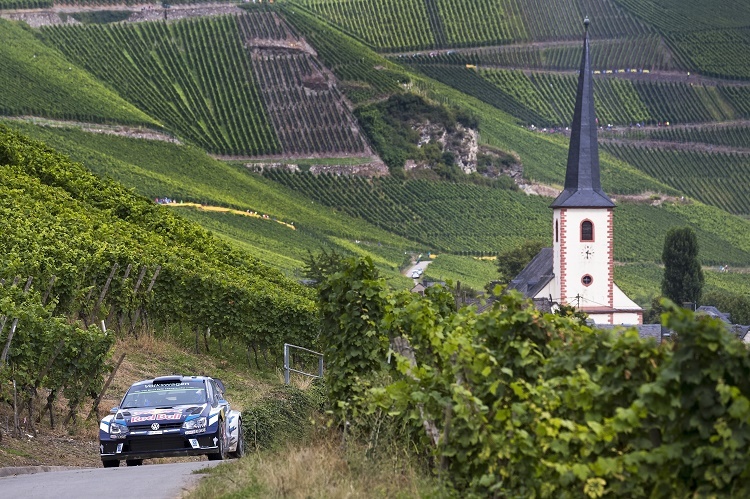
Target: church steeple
<point>582,183</point>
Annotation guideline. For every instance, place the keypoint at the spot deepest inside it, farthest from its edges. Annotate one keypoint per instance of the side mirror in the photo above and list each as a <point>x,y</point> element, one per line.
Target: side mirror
<point>114,409</point>
<point>220,385</point>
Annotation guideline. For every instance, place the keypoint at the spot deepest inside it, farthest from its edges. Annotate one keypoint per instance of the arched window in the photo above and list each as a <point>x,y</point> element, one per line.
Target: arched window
<point>557,231</point>
<point>587,231</point>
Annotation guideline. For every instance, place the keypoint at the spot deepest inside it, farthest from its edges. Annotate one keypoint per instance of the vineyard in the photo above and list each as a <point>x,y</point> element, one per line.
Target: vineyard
<point>546,99</point>
<point>364,75</point>
<point>689,15</point>
<point>460,218</point>
<point>735,136</point>
<point>425,24</point>
<point>192,75</point>
<point>641,52</point>
<point>306,110</point>
<point>37,80</point>
<point>715,53</point>
<point>25,4</point>
<point>717,179</point>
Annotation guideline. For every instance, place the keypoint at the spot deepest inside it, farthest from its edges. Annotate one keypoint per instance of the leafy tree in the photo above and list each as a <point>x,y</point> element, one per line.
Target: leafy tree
<point>738,306</point>
<point>318,267</point>
<point>512,262</point>
<point>683,276</point>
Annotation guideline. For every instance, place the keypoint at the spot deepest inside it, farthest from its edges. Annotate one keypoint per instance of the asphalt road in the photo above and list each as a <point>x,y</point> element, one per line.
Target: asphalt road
<point>153,481</point>
<point>421,265</point>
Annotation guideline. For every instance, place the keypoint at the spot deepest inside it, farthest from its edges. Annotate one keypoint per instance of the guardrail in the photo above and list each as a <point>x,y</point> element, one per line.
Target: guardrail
<point>288,369</point>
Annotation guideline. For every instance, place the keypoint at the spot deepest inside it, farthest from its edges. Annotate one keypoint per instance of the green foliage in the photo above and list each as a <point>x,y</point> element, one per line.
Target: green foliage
<point>101,16</point>
<point>510,263</point>
<point>49,352</point>
<point>76,226</point>
<point>390,127</point>
<point>351,306</point>
<point>518,403</point>
<point>683,276</point>
<point>283,416</point>
<point>318,267</point>
<point>38,80</point>
<point>735,304</point>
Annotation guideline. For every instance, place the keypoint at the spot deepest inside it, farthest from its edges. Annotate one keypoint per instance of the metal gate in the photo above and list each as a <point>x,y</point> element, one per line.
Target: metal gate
<point>288,368</point>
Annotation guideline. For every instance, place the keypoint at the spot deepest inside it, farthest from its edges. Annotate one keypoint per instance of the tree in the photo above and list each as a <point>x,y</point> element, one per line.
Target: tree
<point>683,276</point>
<point>512,262</point>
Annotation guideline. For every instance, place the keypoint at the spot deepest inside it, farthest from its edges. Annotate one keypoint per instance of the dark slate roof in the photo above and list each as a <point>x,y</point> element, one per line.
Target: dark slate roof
<point>582,177</point>
<point>713,312</point>
<point>654,331</point>
<point>535,275</point>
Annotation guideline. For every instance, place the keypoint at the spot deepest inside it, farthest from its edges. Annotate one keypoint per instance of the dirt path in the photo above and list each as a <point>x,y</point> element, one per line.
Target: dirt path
<point>121,130</point>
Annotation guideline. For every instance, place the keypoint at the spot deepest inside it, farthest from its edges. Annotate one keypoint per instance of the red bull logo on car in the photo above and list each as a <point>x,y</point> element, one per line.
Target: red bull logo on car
<point>158,417</point>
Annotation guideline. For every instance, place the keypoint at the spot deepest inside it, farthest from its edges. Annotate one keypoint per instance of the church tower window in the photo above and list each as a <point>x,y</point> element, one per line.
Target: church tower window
<point>557,231</point>
<point>587,231</point>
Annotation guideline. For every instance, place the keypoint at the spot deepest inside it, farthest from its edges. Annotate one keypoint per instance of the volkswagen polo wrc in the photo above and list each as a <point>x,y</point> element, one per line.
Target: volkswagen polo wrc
<point>171,416</point>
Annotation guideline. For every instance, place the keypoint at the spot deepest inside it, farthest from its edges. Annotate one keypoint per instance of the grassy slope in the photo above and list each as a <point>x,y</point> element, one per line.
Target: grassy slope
<point>159,169</point>
<point>38,80</point>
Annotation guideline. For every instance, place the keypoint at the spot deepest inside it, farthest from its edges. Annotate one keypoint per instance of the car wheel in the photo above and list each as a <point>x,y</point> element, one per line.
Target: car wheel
<point>111,463</point>
<point>240,450</point>
<point>134,462</point>
<point>222,452</point>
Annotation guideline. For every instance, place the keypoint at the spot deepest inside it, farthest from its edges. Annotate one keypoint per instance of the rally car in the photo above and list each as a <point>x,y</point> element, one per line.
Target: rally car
<point>171,416</point>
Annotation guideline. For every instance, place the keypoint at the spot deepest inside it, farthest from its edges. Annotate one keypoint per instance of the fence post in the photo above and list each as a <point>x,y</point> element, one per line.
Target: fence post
<point>286,363</point>
<point>320,367</point>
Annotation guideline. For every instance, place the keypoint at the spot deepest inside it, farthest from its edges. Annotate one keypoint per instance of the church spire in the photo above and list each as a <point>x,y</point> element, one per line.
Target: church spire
<point>582,184</point>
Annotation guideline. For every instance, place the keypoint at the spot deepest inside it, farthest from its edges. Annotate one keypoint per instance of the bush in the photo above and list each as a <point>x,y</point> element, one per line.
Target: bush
<point>284,415</point>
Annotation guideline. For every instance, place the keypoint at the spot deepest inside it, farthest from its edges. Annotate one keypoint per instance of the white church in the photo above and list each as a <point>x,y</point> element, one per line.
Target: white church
<point>578,269</point>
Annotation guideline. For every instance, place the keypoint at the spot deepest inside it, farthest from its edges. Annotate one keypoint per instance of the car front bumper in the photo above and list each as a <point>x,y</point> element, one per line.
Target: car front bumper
<point>165,445</point>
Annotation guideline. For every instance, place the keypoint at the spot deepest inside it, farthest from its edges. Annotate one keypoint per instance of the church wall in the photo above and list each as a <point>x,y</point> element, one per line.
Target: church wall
<point>578,258</point>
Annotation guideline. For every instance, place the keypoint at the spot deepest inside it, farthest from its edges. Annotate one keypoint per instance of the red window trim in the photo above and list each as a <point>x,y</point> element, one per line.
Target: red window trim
<point>593,233</point>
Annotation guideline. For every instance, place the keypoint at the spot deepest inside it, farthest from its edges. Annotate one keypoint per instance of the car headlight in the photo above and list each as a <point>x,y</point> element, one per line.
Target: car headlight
<point>117,429</point>
<point>195,424</point>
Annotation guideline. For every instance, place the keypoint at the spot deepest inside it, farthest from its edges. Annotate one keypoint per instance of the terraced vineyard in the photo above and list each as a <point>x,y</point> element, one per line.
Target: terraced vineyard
<point>25,4</point>
<point>398,25</point>
<point>192,75</point>
<point>561,19</point>
<point>383,24</point>
<point>364,74</point>
<point>721,135</point>
<point>546,99</point>
<point>434,214</point>
<point>306,109</point>
<point>721,53</point>
<point>689,15</point>
<point>717,179</point>
<point>465,217</point>
<point>642,52</point>
<point>39,81</point>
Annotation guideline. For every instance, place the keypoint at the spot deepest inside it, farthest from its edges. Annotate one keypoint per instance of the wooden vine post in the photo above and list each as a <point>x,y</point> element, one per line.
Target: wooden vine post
<point>95,407</point>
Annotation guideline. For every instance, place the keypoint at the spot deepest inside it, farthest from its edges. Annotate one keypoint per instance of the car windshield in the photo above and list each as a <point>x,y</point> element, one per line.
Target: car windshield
<point>165,395</point>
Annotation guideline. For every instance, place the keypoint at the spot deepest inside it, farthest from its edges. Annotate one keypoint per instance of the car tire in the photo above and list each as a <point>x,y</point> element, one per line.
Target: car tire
<point>111,463</point>
<point>222,453</point>
<point>134,462</point>
<point>240,450</point>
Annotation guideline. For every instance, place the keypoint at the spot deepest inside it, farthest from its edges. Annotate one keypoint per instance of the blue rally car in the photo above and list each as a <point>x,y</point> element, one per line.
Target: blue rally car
<point>171,416</point>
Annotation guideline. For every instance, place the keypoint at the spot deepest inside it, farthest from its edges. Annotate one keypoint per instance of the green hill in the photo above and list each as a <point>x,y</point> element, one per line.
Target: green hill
<point>251,85</point>
<point>39,81</point>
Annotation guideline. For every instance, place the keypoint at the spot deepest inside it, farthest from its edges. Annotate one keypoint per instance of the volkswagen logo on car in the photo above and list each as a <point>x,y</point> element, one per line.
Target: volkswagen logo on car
<point>154,426</point>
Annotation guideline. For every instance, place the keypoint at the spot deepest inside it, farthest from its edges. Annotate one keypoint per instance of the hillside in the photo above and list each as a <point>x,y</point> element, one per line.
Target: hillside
<point>291,77</point>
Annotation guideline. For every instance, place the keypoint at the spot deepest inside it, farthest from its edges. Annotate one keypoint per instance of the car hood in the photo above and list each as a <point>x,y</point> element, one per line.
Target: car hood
<point>147,415</point>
